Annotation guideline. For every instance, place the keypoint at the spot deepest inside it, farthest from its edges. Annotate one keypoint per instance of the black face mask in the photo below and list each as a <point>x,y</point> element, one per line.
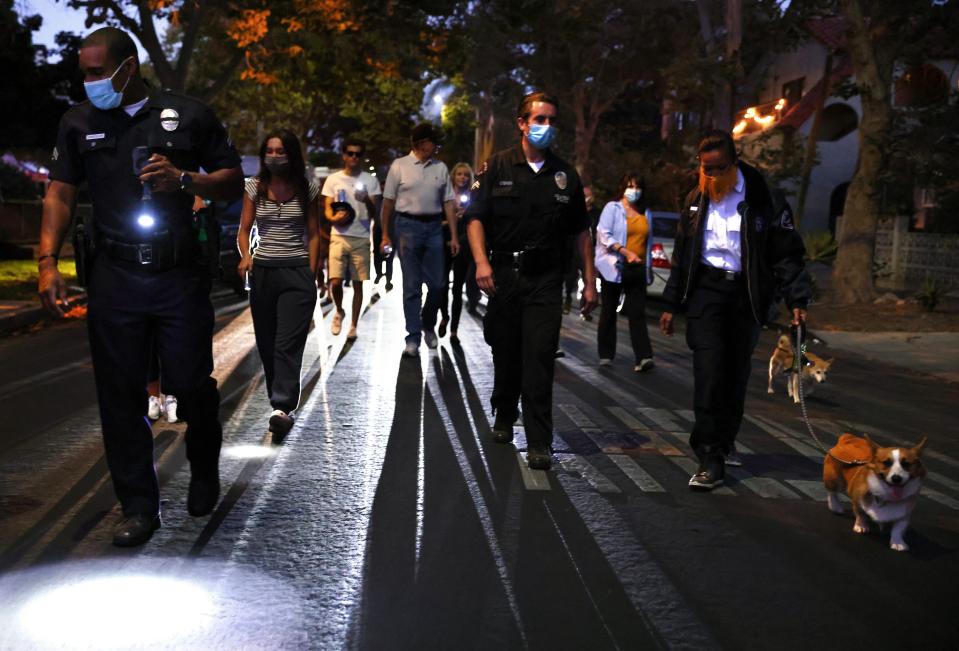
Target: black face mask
<point>279,165</point>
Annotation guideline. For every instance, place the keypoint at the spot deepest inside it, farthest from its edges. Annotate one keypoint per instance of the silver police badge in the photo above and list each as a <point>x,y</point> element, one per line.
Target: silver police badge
<point>560,178</point>
<point>169,119</point>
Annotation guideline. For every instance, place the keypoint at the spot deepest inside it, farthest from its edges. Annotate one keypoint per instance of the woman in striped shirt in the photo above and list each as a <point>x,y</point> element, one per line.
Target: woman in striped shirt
<point>282,270</point>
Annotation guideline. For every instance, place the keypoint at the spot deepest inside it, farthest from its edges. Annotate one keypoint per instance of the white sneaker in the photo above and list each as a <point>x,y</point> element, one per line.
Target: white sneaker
<point>429,337</point>
<point>337,323</point>
<point>169,406</point>
<point>154,408</point>
<point>605,361</point>
<point>411,350</point>
<point>644,365</point>
<point>351,335</point>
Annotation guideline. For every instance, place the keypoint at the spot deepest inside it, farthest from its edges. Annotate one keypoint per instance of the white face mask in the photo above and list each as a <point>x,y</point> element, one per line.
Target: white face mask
<point>633,195</point>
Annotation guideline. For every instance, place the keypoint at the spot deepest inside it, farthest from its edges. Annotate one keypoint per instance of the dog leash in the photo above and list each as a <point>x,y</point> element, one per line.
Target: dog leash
<point>799,358</point>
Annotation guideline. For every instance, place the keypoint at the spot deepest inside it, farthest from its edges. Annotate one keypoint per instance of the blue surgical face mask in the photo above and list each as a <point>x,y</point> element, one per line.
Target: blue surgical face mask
<point>633,194</point>
<point>541,136</point>
<point>101,92</point>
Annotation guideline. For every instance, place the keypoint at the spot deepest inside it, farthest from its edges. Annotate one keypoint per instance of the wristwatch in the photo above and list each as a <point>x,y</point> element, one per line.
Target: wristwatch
<point>186,181</point>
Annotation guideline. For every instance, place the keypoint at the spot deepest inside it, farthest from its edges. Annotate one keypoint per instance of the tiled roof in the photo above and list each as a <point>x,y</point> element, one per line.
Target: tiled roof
<point>829,31</point>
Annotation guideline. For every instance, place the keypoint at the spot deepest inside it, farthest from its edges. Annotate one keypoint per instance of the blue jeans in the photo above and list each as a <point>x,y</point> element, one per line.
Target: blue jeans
<point>420,247</point>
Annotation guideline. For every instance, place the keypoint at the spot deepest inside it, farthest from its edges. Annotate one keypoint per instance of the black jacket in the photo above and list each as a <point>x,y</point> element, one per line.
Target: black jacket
<point>772,250</point>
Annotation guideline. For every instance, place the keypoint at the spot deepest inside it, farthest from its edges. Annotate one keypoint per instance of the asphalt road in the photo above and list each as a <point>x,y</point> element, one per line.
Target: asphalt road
<point>388,519</point>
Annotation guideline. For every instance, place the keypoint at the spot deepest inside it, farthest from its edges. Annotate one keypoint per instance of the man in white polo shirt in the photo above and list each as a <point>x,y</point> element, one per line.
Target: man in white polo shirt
<point>418,189</point>
<point>350,203</point>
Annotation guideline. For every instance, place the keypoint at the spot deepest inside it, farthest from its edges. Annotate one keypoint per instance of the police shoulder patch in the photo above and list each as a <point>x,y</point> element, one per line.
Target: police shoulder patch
<point>561,180</point>
<point>56,154</point>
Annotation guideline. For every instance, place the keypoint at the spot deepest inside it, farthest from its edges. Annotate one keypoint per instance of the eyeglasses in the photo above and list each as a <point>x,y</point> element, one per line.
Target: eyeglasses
<point>353,154</point>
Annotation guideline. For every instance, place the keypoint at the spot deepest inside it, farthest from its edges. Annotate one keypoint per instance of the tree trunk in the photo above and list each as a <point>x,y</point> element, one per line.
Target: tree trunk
<point>811,145</point>
<point>852,279</point>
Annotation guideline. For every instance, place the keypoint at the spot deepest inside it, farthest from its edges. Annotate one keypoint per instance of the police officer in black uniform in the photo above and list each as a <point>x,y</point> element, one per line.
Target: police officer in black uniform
<point>140,153</point>
<point>735,249</point>
<point>523,208</point>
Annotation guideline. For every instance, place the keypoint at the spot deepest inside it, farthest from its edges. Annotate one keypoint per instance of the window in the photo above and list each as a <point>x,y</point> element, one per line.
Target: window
<point>921,86</point>
<point>792,91</point>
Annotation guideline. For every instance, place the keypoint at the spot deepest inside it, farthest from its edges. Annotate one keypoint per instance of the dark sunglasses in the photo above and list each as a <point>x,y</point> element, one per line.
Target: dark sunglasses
<point>353,154</point>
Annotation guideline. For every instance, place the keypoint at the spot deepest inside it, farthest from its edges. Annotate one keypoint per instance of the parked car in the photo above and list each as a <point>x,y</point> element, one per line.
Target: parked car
<point>664,225</point>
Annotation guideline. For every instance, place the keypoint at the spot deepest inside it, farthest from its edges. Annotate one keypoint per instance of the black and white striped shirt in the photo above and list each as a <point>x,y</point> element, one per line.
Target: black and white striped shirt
<point>281,228</point>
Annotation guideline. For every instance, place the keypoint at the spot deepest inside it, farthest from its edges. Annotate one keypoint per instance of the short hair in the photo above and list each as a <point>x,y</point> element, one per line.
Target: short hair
<point>353,141</point>
<point>425,131</point>
<point>718,140</point>
<point>526,104</point>
<point>119,45</point>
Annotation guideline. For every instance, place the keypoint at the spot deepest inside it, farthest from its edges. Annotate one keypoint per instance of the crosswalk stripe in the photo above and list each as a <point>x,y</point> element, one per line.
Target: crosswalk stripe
<point>662,417</point>
<point>942,479</point>
<point>655,441</point>
<point>586,470</point>
<point>533,480</point>
<point>690,467</point>
<point>786,438</point>
<point>740,447</point>
<point>603,440</point>
<point>636,473</point>
<point>940,497</point>
<point>814,489</point>
<point>763,486</point>
<point>687,414</point>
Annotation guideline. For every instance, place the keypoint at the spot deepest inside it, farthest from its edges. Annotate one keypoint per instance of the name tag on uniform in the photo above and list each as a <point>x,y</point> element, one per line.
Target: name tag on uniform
<point>96,136</point>
<point>561,198</point>
<point>505,183</point>
<point>694,209</point>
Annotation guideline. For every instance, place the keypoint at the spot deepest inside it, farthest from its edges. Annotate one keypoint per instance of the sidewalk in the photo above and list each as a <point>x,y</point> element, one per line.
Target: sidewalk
<point>933,353</point>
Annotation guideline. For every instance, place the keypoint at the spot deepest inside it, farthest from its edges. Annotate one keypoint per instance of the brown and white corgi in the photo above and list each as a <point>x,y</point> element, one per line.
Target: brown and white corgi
<point>883,489</point>
<point>783,360</point>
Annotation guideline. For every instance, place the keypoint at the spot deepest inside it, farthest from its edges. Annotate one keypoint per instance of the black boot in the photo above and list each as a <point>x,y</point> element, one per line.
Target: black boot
<point>503,428</point>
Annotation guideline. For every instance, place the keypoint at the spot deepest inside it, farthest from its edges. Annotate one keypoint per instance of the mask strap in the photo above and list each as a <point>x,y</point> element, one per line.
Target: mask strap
<point>127,83</point>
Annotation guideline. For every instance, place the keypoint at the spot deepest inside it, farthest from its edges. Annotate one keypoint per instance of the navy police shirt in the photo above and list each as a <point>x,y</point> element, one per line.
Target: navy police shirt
<point>98,147</point>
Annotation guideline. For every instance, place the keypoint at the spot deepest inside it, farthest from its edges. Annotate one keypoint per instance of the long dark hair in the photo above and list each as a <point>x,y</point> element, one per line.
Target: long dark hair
<point>624,182</point>
<point>294,153</point>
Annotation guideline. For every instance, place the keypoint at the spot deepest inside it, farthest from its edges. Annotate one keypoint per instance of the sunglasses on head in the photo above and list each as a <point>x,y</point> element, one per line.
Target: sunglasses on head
<point>353,154</point>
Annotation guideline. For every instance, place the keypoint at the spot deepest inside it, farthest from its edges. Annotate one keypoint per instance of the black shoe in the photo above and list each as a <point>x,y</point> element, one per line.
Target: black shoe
<point>135,530</point>
<point>711,472</point>
<point>379,277</point>
<point>280,424</point>
<point>567,305</point>
<point>503,430</point>
<point>559,354</point>
<point>454,339</point>
<point>204,492</point>
<point>389,285</point>
<point>539,458</point>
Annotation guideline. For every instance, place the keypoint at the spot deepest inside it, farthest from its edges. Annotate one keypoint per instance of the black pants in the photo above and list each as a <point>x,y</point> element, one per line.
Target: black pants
<point>722,333</point>
<point>459,266</point>
<point>571,278</point>
<point>522,328</point>
<point>380,260</point>
<point>635,309</point>
<point>472,289</point>
<point>282,300</point>
<point>130,311</point>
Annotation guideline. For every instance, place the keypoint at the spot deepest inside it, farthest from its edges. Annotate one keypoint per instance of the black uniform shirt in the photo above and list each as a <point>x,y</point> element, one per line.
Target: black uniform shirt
<point>97,146</point>
<point>522,209</point>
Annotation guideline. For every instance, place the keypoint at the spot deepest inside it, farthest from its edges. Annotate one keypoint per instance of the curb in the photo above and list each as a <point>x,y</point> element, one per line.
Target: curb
<point>28,316</point>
